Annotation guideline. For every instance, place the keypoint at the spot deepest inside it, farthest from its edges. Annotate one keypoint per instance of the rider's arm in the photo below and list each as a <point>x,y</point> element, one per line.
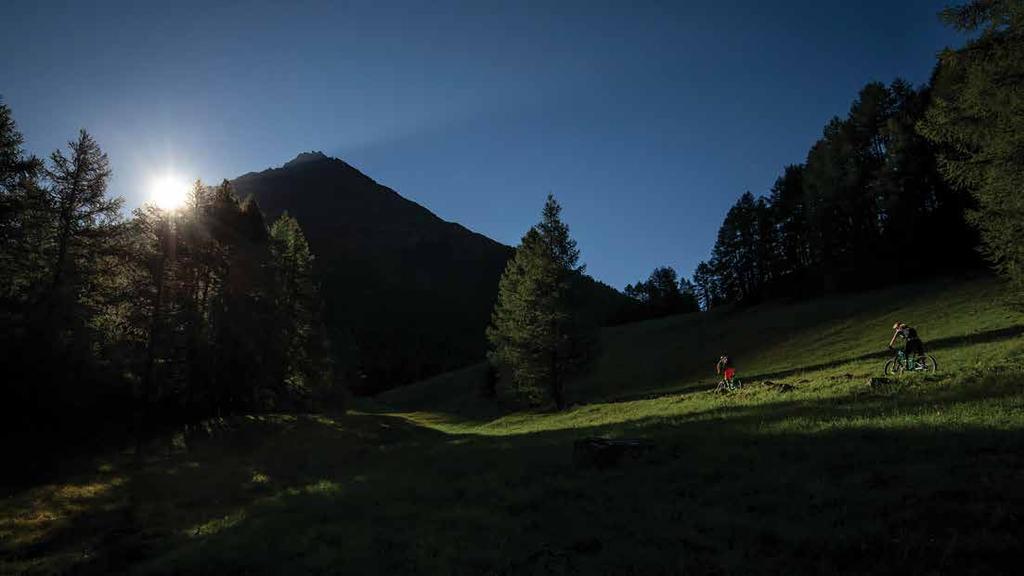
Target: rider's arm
<point>894,336</point>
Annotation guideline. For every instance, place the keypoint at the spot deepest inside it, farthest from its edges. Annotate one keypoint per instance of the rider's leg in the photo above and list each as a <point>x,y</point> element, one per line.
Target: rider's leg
<point>915,352</point>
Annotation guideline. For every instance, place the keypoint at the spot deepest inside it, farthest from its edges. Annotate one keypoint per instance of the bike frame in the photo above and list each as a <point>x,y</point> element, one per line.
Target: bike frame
<point>904,360</point>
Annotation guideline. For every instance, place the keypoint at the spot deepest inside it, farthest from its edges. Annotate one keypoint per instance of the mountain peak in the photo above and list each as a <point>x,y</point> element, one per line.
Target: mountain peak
<point>305,157</point>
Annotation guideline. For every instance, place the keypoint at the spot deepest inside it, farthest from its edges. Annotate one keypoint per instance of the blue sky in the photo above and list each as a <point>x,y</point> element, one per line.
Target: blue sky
<point>646,119</point>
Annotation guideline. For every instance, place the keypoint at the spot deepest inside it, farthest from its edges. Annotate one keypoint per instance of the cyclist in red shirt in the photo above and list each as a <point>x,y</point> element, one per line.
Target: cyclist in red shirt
<point>725,369</point>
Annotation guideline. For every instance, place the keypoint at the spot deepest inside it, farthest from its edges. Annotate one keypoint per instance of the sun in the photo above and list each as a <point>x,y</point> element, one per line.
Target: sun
<point>168,192</point>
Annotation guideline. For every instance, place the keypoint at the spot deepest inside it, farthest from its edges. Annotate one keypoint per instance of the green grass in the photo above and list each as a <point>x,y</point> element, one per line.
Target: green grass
<point>923,476</point>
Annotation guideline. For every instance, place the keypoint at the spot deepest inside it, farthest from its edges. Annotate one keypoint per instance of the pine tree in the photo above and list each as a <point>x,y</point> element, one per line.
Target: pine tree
<point>66,239</point>
<point>85,216</point>
<point>790,217</point>
<point>705,281</point>
<point>24,235</point>
<point>688,296</point>
<point>664,287</point>
<point>306,367</point>
<point>15,167</point>
<point>636,291</point>
<point>663,293</point>
<point>744,254</point>
<point>85,237</point>
<point>537,335</point>
<point>24,224</point>
<point>977,121</point>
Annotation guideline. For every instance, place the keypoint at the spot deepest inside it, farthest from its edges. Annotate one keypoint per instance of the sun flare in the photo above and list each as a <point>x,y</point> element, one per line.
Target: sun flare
<point>168,192</point>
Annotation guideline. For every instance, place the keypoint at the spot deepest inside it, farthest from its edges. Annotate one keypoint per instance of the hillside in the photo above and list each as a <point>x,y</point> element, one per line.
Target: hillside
<point>407,292</point>
<point>769,341</point>
<point>920,476</point>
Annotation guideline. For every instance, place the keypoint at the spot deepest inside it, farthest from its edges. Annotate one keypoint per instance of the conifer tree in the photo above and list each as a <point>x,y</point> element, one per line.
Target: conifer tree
<point>84,216</point>
<point>306,367</point>
<point>977,120</point>
<point>705,282</point>
<point>59,254</point>
<point>24,222</point>
<point>24,232</point>
<point>790,216</point>
<point>663,293</point>
<point>688,296</point>
<point>84,237</point>
<point>170,317</point>
<point>537,335</point>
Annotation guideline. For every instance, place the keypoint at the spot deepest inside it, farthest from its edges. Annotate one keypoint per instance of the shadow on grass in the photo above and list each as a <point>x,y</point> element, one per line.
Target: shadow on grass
<point>751,489</point>
<point>111,518</point>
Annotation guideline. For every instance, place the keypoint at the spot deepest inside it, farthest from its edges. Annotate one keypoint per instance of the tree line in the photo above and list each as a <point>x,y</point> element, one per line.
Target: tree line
<point>912,181</point>
<point>662,294</point>
<point>867,207</point>
<point>166,316</point>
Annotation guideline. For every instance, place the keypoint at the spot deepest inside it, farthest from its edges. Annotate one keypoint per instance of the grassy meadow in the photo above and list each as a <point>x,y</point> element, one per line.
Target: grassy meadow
<point>925,475</point>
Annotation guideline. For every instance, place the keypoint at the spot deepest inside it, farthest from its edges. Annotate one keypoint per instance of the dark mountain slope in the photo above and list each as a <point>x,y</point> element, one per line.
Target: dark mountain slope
<point>412,292</point>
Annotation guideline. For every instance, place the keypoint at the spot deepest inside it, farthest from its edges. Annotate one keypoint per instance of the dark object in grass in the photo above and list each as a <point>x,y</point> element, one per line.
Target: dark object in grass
<point>603,453</point>
<point>879,383</point>
<point>780,387</point>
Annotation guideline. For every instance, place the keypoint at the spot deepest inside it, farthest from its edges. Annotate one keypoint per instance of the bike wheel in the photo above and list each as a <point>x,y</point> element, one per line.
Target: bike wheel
<point>928,363</point>
<point>893,367</point>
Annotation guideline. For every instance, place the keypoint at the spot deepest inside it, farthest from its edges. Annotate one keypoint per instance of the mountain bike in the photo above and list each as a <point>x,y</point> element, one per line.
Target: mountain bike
<point>901,363</point>
<point>728,386</point>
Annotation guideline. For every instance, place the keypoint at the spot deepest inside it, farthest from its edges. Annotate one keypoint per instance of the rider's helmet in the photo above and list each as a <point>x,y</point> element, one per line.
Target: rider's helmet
<point>898,325</point>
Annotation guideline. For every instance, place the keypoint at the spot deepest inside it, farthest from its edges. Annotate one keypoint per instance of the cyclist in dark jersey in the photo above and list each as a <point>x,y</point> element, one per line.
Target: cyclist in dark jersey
<point>912,345</point>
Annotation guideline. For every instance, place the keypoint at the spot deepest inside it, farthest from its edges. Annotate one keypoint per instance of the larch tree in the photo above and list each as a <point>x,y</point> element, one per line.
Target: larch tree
<point>86,220</point>
<point>977,121</point>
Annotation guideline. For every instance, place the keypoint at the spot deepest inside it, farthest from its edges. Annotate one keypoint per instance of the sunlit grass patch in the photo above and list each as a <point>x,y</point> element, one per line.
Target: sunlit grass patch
<point>76,492</point>
<point>216,525</point>
<point>322,487</point>
<point>31,517</point>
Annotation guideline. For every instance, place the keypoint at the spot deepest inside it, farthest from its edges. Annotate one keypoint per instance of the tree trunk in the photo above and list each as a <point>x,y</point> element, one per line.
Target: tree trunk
<point>142,407</point>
